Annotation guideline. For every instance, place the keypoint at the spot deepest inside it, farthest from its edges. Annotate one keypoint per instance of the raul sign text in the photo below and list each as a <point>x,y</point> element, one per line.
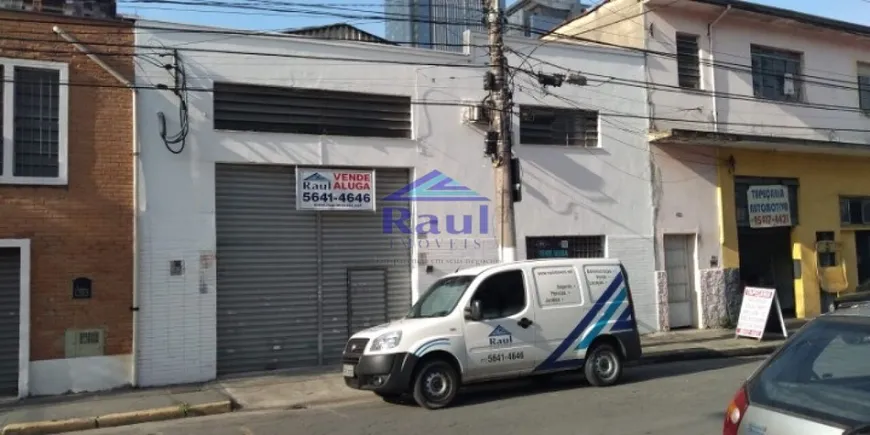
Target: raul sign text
<point>335,189</point>
<point>768,206</point>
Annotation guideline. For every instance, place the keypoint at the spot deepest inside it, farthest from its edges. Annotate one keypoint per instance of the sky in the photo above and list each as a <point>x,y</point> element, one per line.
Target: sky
<point>857,11</point>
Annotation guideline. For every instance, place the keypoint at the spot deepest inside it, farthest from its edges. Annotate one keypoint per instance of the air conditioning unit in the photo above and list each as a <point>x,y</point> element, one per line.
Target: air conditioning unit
<point>475,113</point>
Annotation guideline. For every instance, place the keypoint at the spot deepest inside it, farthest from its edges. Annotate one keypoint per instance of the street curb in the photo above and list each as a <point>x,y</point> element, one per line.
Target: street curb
<point>649,358</point>
<point>670,356</point>
<point>118,419</point>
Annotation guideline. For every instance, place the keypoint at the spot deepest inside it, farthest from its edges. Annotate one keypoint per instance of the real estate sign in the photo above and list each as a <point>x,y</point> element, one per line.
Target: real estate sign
<point>335,189</point>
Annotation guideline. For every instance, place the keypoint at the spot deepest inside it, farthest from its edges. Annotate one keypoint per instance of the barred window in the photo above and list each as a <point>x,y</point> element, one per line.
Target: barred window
<point>688,64</point>
<point>776,74</point>
<point>564,247</point>
<point>34,126</point>
<point>558,126</point>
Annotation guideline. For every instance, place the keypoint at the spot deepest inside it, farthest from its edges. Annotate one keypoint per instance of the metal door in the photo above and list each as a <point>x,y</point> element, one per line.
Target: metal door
<point>357,240</point>
<point>679,255</point>
<point>367,297</point>
<point>862,248</point>
<point>282,281</point>
<point>10,318</point>
<point>266,271</point>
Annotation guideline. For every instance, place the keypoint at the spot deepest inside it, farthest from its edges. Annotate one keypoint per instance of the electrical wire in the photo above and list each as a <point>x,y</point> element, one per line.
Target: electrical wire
<point>818,80</point>
<point>405,17</point>
<point>465,63</point>
<point>453,103</point>
<point>609,78</point>
<point>678,89</point>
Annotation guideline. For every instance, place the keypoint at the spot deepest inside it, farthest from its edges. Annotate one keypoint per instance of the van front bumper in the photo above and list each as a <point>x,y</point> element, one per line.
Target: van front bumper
<point>381,373</point>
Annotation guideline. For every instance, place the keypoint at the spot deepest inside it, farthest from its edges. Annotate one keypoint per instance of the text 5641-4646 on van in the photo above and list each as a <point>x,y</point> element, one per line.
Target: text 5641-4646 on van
<point>502,321</point>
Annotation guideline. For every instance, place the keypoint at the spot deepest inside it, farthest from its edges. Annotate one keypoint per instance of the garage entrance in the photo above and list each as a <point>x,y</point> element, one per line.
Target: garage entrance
<point>10,319</point>
<point>292,285</point>
<point>764,235</point>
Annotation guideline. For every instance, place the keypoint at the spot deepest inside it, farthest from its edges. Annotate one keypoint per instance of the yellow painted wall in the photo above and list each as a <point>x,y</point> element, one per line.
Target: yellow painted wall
<point>823,179</point>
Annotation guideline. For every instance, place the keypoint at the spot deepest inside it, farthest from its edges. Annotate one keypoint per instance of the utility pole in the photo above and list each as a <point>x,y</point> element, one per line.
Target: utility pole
<point>501,123</point>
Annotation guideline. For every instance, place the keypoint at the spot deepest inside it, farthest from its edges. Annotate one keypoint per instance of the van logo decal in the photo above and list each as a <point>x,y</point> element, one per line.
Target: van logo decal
<point>552,360</point>
<point>430,345</point>
<point>499,331</point>
<point>605,319</point>
<point>500,336</point>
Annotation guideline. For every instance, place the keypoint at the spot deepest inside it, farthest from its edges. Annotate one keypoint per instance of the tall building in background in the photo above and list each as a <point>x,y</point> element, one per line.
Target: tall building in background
<point>532,18</point>
<point>74,8</point>
<point>435,24</point>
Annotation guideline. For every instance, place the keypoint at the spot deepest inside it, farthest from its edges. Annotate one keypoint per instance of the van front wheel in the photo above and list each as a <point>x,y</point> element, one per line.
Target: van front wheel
<point>603,366</point>
<point>435,385</point>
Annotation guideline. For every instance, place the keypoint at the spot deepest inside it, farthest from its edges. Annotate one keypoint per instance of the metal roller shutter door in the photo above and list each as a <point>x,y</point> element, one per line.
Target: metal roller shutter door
<point>355,245</point>
<point>266,272</point>
<point>10,305</point>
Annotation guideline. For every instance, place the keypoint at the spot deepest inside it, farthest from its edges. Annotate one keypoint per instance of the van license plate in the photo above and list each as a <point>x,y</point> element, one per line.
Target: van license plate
<point>348,370</point>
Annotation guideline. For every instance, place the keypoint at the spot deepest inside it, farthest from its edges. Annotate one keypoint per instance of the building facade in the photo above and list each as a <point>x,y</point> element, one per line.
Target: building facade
<point>433,24</point>
<point>105,9</point>
<point>534,18</point>
<point>759,134</point>
<point>248,264</point>
<point>66,233</point>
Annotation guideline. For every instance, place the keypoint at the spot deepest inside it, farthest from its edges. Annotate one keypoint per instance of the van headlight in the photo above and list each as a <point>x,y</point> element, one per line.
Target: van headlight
<point>387,341</point>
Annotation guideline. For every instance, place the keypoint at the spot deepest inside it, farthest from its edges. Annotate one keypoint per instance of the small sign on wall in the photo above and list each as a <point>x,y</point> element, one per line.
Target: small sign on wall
<point>768,206</point>
<point>335,189</point>
<point>82,288</point>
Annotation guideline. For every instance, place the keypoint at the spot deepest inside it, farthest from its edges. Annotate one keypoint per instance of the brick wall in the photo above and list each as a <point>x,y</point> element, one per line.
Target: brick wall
<point>85,228</point>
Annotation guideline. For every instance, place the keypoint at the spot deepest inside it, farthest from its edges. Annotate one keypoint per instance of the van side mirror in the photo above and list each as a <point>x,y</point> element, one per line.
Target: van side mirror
<point>473,311</point>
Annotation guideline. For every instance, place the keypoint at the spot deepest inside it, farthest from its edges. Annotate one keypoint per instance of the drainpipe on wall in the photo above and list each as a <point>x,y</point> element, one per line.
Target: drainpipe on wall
<point>134,372</point>
<point>712,59</point>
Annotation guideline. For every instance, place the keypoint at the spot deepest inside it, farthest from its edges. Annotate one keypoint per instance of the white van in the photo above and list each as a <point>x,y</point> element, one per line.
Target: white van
<point>501,321</point>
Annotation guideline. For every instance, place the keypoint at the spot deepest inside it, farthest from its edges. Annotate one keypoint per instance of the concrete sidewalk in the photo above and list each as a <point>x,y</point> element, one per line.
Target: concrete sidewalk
<point>75,412</point>
<point>293,390</point>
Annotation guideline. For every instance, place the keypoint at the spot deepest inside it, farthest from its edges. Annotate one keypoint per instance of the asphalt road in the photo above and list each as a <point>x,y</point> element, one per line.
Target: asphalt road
<point>678,398</point>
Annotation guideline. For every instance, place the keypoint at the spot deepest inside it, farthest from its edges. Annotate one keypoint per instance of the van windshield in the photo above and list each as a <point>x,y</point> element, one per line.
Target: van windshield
<point>441,297</point>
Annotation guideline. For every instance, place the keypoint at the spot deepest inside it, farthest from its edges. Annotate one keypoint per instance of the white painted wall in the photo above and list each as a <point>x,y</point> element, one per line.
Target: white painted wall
<point>830,57</point>
<point>601,191</point>
<point>688,174</point>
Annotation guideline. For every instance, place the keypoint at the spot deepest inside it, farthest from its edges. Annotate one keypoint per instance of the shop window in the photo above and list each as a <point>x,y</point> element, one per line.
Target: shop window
<point>565,247</point>
<point>826,259</point>
<point>855,210</point>
<point>275,109</point>
<point>501,295</point>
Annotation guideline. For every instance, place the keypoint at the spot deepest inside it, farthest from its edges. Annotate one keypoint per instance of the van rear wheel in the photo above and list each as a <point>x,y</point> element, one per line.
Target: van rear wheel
<point>436,384</point>
<point>603,366</point>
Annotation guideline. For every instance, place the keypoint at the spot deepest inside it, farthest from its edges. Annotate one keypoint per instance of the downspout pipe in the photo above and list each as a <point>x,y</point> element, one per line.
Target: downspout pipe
<point>712,59</point>
<point>134,367</point>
